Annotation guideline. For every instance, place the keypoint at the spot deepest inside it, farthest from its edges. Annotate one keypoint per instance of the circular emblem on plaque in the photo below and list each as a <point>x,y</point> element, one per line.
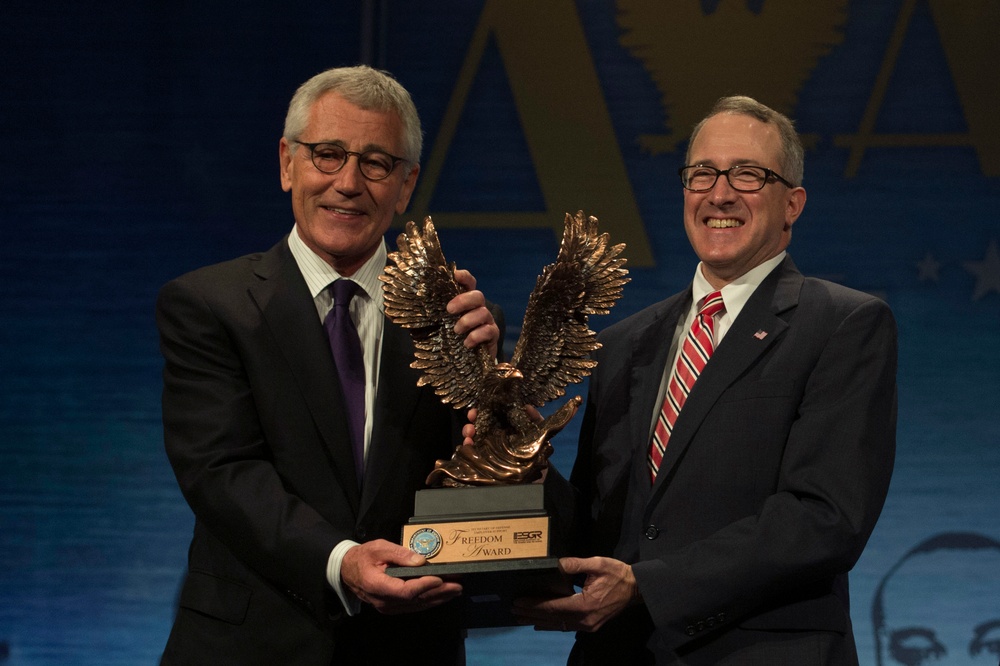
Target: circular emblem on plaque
<point>426,542</point>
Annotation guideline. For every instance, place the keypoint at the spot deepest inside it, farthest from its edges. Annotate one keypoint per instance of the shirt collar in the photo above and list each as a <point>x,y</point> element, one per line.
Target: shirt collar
<point>318,274</point>
<point>735,294</point>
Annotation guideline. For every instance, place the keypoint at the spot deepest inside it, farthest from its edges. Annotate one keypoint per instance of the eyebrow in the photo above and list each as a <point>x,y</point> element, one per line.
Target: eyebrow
<point>736,162</point>
<point>364,149</point>
<point>982,629</point>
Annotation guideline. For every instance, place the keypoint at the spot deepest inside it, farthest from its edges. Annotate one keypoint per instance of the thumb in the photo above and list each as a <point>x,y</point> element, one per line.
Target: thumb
<point>392,553</point>
<point>407,558</point>
<point>571,565</point>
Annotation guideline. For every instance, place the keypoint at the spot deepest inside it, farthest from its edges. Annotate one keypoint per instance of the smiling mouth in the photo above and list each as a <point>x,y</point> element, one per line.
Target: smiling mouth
<point>341,211</point>
<point>728,223</point>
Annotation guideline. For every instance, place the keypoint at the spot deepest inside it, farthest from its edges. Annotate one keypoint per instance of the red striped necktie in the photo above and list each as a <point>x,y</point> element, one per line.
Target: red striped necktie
<point>696,349</point>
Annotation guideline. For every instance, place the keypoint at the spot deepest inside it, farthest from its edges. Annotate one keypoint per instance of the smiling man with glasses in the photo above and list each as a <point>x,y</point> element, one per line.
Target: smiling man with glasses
<point>292,418</point>
<point>738,438</point>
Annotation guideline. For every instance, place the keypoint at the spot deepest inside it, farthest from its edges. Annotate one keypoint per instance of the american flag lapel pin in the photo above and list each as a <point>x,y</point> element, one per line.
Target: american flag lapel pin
<point>760,334</point>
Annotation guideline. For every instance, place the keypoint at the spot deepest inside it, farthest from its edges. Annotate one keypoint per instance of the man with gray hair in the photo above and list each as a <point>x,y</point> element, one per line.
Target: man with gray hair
<point>738,438</point>
<point>292,419</point>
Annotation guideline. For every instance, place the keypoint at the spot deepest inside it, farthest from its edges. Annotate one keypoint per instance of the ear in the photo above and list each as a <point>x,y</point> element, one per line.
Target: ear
<point>285,164</point>
<point>406,191</point>
<point>794,204</point>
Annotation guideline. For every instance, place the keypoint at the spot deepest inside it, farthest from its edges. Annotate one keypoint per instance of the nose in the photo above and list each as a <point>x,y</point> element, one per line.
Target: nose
<point>722,192</point>
<point>349,179</point>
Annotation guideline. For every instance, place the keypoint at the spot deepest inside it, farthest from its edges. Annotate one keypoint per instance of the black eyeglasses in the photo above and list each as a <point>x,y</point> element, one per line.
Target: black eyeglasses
<point>743,178</point>
<point>331,158</point>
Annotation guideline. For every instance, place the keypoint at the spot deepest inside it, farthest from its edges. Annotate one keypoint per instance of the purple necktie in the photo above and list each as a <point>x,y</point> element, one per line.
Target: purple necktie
<point>346,347</point>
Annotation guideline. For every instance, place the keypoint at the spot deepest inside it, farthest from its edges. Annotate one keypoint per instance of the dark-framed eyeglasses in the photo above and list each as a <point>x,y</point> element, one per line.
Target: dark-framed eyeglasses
<point>331,158</point>
<point>743,178</point>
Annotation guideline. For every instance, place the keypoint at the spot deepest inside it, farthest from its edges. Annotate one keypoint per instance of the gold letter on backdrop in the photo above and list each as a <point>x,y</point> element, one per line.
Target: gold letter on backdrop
<point>565,121</point>
<point>967,31</point>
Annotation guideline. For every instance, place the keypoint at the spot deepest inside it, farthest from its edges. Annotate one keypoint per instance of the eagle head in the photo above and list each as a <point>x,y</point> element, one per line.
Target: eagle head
<point>507,371</point>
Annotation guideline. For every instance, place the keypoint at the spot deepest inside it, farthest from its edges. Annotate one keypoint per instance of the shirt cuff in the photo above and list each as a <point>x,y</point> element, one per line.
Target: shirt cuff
<point>352,605</point>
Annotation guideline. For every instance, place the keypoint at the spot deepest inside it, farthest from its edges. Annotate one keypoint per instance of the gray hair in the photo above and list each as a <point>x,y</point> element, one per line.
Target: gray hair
<point>364,87</point>
<point>792,153</point>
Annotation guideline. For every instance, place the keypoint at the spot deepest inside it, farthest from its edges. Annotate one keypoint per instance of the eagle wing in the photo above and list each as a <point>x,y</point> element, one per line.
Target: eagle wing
<point>555,343</point>
<point>417,290</point>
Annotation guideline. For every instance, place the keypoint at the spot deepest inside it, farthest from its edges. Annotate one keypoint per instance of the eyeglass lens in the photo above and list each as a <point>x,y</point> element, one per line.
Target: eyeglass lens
<point>743,178</point>
<point>330,158</point>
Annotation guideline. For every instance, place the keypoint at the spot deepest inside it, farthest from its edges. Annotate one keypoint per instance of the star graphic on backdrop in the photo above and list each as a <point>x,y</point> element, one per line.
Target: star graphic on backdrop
<point>986,271</point>
<point>928,267</point>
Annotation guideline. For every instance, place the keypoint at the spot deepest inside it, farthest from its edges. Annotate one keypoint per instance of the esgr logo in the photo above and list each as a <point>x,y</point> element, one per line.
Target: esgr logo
<point>527,536</point>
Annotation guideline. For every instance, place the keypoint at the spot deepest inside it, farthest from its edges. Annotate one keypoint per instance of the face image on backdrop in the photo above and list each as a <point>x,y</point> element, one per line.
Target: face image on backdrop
<point>940,604</point>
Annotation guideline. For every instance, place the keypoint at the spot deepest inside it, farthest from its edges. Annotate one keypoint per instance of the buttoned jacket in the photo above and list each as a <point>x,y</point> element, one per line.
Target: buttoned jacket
<point>255,430</point>
<point>772,480</point>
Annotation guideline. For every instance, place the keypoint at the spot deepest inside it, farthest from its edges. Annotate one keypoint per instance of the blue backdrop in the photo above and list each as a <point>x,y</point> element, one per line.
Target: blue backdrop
<point>141,141</point>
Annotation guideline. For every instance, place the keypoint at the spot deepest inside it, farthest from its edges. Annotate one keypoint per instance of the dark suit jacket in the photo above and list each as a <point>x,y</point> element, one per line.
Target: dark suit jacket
<point>772,482</point>
<point>255,431</point>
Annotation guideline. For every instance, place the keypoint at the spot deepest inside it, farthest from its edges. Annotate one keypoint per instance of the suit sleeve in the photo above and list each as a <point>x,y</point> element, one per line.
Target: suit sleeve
<point>221,457</point>
<point>831,483</point>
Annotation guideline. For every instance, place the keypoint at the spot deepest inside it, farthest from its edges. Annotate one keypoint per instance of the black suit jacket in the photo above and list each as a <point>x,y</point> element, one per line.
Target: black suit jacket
<point>255,431</point>
<point>771,484</point>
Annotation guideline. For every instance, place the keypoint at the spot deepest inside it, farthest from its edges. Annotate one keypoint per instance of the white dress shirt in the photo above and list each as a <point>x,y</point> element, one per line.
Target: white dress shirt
<point>368,315</point>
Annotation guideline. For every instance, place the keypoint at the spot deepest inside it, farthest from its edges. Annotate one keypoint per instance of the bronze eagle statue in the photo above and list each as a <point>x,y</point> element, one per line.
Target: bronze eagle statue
<point>553,349</point>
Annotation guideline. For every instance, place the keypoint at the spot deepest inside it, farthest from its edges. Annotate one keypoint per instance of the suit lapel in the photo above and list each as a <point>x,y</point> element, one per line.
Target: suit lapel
<point>740,349</point>
<point>290,314</point>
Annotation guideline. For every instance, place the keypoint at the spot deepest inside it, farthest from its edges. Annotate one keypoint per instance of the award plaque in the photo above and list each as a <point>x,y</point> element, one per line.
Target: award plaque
<point>479,524</point>
<point>483,519</point>
<point>497,546</point>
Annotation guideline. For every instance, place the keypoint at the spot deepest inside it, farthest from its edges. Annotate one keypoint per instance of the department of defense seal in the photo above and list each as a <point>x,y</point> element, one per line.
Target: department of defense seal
<point>426,542</point>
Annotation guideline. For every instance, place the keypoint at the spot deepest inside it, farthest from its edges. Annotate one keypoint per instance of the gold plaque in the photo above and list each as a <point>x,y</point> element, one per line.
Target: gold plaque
<point>479,540</point>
